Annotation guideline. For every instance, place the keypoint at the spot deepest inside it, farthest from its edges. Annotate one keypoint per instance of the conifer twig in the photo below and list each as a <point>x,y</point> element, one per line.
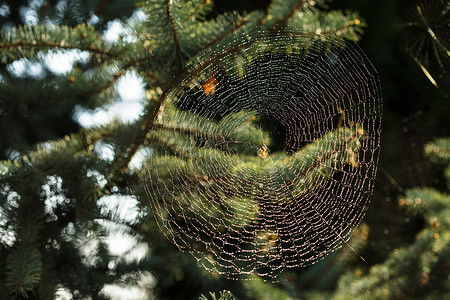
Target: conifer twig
<point>352,23</point>
<point>222,36</point>
<point>118,75</point>
<point>189,131</point>
<point>147,127</point>
<point>327,155</point>
<point>173,147</point>
<point>50,44</point>
<point>196,10</point>
<point>174,31</point>
<point>286,18</point>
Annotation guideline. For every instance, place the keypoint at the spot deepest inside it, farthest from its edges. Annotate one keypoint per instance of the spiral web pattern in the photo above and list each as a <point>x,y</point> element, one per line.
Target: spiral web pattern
<point>265,154</point>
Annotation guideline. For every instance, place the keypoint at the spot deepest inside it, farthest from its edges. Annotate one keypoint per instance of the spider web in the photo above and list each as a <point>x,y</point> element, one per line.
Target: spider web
<point>265,153</point>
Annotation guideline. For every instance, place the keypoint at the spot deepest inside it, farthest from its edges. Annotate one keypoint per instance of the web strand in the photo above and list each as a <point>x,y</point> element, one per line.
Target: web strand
<point>274,154</point>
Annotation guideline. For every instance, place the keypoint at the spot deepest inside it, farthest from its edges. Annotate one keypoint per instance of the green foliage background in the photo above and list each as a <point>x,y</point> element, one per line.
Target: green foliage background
<point>46,155</point>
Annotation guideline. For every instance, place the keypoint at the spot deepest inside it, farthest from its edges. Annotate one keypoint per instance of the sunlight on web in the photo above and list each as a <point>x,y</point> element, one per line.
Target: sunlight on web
<point>265,154</point>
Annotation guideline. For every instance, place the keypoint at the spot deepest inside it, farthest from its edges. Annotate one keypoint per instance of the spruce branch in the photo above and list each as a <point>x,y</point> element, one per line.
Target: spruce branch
<point>237,25</point>
<point>110,83</point>
<point>332,24</point>
<point>192,132</point>
<point>122,71</point>
<point>148,120</point>
<point>26,42</point>
<point>174,32</point>
<point>199,8</point>
<point>280,12</point>
<point>293,10</point>
<point>223,295</point>
<point>79,142</point>
<point>438,150</point>
<point>350,25</point>
<point>171,146</point>
<point>54,45</point>
<point>23,271</point>
<point>327,154</point>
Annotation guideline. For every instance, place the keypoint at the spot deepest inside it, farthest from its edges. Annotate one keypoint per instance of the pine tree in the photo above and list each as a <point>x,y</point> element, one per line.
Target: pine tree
<point>50,190</point>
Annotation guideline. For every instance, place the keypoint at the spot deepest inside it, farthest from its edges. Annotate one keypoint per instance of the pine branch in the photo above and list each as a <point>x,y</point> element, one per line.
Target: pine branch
<point>223,295</point>
<point>222,36</point>
<point>174,32</point>
<point>198,8</point>
<point>280,12</point>
<point>171,146</point>
<point>293,10</point>
<point>334,24</point>
<point>122,71</point>
<point>144,133</point>
<point>76,143</point>
<point>337,31</point>
<point>26,42</point>
<point>191,132</point>
<point>55,45</point>
<point>110,84</point>
<point>23,271</point>
<point>154,110</point>
<point>438,150</point>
